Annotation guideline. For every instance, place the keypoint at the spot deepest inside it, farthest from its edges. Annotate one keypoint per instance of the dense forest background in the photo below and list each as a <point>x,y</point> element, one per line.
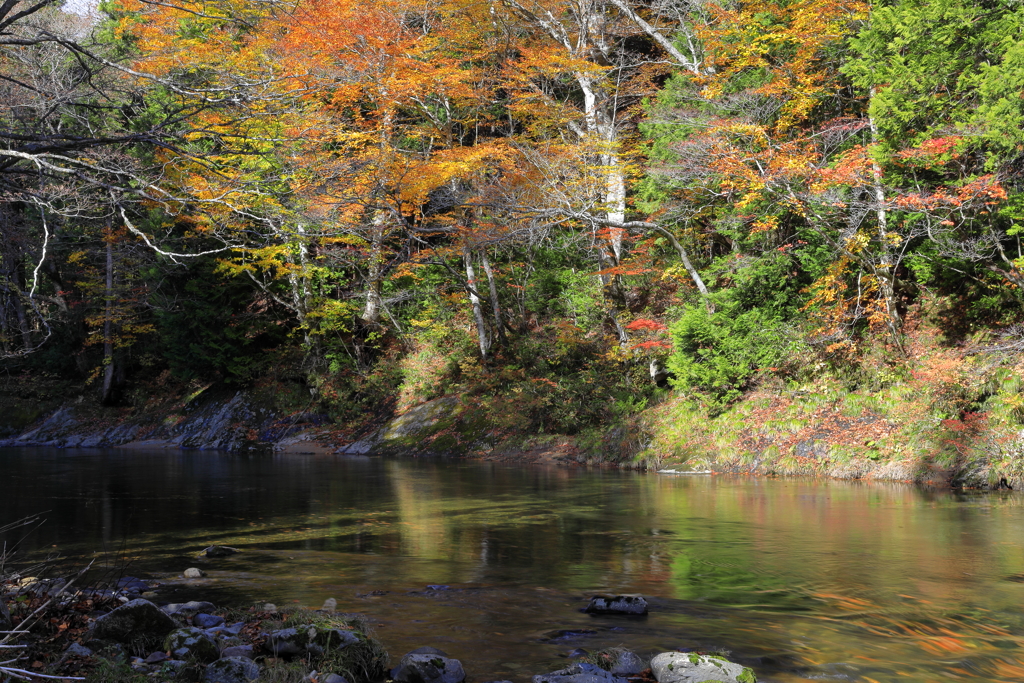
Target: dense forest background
<point>667,216</point>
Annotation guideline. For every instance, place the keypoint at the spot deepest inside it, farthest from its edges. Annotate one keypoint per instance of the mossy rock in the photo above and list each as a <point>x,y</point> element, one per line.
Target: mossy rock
<point>191,643</point>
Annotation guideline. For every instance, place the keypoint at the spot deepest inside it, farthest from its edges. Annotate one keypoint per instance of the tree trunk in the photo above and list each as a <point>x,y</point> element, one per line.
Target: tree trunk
<point>495,305</point>
<point>884,271</point>
<point>107,397</point>
<point>474,300</point>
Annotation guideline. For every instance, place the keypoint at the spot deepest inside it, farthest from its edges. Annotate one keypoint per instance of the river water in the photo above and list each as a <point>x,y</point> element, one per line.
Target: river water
<point>802,580</point>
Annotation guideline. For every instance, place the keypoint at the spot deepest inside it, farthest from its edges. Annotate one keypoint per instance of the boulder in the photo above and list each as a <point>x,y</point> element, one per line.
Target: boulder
<point>191,643</point>
<point>138,622</point>
<point>193,573</point>
<point>215,551</point>
<point>617,604</point>
<point>308,639</point>
<point>428,665</point>
<point>580,672</point>
<point>689,667</point>
<point>231,670</point>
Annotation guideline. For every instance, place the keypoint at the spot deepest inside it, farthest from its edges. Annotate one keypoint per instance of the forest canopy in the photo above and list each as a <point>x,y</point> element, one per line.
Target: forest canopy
<point>558,206</point>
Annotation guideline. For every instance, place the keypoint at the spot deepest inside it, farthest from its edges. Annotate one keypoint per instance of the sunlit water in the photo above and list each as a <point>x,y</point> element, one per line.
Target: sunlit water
<point>802,580</point>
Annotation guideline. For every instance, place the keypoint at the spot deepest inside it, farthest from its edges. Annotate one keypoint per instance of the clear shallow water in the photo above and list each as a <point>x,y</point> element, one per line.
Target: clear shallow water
<point>802,580</point>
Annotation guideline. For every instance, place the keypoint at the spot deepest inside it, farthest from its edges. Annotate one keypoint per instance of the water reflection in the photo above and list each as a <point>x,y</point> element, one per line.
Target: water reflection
<point>800,579</point>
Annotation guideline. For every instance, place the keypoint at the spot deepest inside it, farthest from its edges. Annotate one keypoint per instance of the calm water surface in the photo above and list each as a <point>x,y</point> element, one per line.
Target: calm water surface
<point>802,580</point>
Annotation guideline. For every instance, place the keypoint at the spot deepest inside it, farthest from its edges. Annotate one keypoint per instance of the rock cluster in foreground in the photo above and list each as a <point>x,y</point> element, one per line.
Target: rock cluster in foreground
<point>135,641</point>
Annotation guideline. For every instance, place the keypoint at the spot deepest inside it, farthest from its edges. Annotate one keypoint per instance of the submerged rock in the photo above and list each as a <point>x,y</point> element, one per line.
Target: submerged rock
<point>138,622</point>
<point>617,604</point>
<point>428,665</point>
<point>215,551</point>
<point>689,667</point>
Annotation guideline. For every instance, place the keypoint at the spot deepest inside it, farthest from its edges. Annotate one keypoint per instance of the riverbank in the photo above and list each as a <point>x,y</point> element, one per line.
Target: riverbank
<point>944,414</point>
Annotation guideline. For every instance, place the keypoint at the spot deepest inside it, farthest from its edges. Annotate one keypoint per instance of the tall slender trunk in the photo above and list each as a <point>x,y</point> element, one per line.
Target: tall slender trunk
<point>884,270</point>
<point>374,270</point>
<point>474,300</point>
<point>108,325</point>
<point>495,304</point>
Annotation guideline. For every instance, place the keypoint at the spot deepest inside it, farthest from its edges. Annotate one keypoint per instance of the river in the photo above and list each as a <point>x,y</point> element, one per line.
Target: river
<point>802,580</point>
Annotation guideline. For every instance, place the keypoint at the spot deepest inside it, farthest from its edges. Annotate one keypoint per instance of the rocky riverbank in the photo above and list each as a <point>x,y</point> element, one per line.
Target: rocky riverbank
<point>121,635</point>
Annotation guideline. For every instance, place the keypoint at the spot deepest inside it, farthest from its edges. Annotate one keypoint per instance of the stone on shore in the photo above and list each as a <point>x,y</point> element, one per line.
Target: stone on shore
<point>138,623</point>
<point>191,643</point>
<point>187,609</point>
<point>580,672</point>
<point>617,604</point>
<point>5,617</point>
<point>689,667</point>
<point>231,670</point>
<point>628,664</point>
<point>428,665</point>
<point>330,605</point>
<point>205,621</point>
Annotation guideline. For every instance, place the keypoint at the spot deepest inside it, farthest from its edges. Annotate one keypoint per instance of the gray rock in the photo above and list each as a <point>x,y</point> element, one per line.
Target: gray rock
<point>428,667</point>
<point>193,573</point>
<point>215,551</point>
<point>628,663</point>
<point>231,670</point>
<point>270,607</point>
<point>580,672</point>
<point>287,642</point>
<point>191,643</point>
<point>203,620</point>
<point>238,651</point>
<point>5,617</point>
<point>76,650</point>
<point>333,678</point>
<point>188,608</point>
<point>688,667</point>
<point>617,604</point>
<point>138,622</point>
<point>156,658</point>
<point>330,605</point>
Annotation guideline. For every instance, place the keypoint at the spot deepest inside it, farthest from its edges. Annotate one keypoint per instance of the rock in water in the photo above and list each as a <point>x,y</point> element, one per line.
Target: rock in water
<point>191,643</point>
<point>617,604</point>
<point>188,608</point>
<point>580,672</point>
<point>194,573</point>
<point>689,667</point>
<point>428,665</point>
<point>138,622</point>
<point>231,670</point>
<point>215,551</point>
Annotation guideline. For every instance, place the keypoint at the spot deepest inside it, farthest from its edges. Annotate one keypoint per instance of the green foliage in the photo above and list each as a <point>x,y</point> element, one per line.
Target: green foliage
<point>720,354</point>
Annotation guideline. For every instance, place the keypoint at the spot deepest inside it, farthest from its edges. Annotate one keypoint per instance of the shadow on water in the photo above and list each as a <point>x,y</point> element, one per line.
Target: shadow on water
<point>803,580</point>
